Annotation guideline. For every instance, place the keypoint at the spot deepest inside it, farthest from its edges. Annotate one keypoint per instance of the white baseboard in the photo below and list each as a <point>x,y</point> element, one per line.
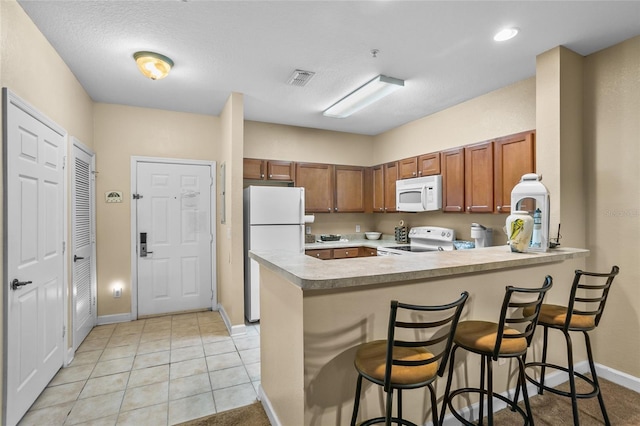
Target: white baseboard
<point>234,330</point>
<point>112,319</point>
<point>268,408</point>
<point>618,377</point>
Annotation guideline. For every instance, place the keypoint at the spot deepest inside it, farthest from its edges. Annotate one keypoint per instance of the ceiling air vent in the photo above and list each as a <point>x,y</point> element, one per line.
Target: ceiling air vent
<point>300,78</point>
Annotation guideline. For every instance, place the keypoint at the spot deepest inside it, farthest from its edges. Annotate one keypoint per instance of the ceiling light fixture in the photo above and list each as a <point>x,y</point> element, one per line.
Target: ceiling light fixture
<point>153,65</point>
<point>364,96</point>
<point>505,34</point>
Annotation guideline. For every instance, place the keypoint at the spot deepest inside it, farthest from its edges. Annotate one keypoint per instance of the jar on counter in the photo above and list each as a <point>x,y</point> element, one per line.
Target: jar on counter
<point>519,230</point>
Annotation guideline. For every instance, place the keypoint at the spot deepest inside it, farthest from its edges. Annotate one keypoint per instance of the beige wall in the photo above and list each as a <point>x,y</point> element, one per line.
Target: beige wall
<point>612,144</point>
<point>120,133</point>
<point>31,68</point>
<point>230,234</point>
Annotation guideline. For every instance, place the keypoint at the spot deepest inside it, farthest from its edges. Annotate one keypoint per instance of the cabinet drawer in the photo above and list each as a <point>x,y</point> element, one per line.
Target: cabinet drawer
<point>342,253</point>
<point>367,251</point>
<point>320,254</point>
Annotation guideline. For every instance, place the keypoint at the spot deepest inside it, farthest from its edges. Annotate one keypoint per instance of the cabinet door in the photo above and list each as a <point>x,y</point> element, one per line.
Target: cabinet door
<point>317,179</point>
<point>478,176</point>
<point>429,164</point>
<point>320,254</point>
<point>453,180</point>
<point>408,168</point>
<point>514,157</point>
<point>378,189</point>
<point>280,170</point>
<point>253,168</point>
<point>367,252</point>
<point>343,253</point>
<point>349,189</point>
<point>390,178</point>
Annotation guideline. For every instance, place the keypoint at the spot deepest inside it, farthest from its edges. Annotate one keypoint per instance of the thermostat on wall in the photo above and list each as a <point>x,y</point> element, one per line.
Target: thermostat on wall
<point>113,196</point>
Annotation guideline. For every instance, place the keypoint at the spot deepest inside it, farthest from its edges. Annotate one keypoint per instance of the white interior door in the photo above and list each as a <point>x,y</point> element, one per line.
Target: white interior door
<point>83,243</point>
<point>174,218</point>
<point>34,304</point>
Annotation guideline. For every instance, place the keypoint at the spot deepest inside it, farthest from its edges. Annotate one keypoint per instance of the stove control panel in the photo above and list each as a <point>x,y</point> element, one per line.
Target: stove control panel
<point>432,234</point>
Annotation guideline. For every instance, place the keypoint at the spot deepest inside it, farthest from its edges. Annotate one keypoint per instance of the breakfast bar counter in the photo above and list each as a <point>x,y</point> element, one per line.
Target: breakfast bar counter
<point>315,312</point>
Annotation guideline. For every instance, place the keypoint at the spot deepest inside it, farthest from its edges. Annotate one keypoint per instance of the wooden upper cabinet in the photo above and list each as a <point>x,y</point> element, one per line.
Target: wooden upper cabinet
<point>317,180</point>
<point>349,196</point>
<point>257,169</point>
<point>280,170</point>
<point>378,188</point>
<point>408,168</point>
<point>452,164</point>
<point>390,178</point>
<point>514,156</point>
<point>478,177</point>
<point>253,168</point>
<point>423,165</point>
<point>429,164</point>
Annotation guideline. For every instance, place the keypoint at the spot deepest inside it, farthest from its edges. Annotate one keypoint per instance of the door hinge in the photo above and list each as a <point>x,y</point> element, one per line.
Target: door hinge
<point>64,330</point>
<point>94,301</point>
<point>64,162</point>
<point>137,196</point>
<point>64,247</point>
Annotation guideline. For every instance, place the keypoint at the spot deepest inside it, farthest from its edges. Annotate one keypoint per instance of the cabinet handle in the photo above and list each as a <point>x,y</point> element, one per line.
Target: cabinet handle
<point>414,173</point>
<point>335,209</point>
<point>261,175</point>
<point>317,254</point>
<point>420,173</point>
<point>270,176</point>
<point>329,209</point>
<point>347,253</point>
<point>459,208</point>
<point>468,208</point>
<point>499,208</point>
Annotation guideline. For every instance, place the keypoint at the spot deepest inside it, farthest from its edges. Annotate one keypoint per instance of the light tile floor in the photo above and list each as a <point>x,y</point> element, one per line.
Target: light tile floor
<point>156,371</point>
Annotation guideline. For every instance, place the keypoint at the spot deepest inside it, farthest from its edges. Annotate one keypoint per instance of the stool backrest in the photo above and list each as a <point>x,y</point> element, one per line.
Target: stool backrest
<point>595,296</point>
<point>429,333</point>
<point>516,300</point>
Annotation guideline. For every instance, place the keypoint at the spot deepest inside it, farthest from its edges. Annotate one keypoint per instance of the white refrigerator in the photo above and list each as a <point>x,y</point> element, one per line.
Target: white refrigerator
<point>273,220</point>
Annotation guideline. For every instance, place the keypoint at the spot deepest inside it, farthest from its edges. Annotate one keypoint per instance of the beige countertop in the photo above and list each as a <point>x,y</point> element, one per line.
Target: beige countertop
<point>310,273</point>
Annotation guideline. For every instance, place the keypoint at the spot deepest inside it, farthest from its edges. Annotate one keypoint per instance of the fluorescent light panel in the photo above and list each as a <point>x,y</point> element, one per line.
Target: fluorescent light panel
<point>364,96</point>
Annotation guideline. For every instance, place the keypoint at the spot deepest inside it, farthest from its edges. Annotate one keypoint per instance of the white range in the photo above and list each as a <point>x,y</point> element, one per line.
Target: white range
<point>423,239</point>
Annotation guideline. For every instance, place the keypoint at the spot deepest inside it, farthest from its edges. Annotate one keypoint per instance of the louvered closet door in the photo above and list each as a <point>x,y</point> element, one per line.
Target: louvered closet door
<point>84,287</point>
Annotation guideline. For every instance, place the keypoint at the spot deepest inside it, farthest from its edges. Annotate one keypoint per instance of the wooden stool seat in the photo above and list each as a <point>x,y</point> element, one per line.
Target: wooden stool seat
<point>556,315</point>
<point>480,336</point>
<point>370,361</point>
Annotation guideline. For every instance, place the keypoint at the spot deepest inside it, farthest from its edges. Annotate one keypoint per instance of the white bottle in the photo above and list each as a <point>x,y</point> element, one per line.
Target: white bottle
<point>536,238</point>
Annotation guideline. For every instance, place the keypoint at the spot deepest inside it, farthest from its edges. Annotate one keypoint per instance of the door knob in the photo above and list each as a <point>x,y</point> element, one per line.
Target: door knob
<point>15,283</point>
<point>76,258</point>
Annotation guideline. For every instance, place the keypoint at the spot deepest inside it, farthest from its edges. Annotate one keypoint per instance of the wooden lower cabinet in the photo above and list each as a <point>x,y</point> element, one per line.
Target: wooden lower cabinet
<point>320,254</point>
<point>342,253</point>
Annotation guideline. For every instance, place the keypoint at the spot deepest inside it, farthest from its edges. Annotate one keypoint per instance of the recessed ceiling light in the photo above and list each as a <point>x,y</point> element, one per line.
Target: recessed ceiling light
<point>506,34</point>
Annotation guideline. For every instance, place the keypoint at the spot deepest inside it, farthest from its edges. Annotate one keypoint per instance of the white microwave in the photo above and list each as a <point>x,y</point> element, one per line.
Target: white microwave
<point>421,194</point>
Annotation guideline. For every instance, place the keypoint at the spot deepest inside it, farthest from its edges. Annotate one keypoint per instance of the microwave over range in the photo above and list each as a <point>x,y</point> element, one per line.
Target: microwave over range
<point>420,194</point>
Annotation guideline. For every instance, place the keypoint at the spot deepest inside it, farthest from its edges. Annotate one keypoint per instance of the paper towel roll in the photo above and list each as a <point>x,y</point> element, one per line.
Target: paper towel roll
<point>309,218</point>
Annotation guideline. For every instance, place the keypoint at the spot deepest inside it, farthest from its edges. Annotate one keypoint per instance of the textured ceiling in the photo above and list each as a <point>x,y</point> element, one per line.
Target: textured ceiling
<point>442,49</point>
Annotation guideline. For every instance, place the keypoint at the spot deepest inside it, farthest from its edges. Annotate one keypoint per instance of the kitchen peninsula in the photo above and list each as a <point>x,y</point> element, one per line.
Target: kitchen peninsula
<point>315,312</point>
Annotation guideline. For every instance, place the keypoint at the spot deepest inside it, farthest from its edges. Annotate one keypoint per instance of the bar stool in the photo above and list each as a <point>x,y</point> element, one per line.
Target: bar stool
<point>414,354</point>
<point>570,318</point>
<point>492,341</point>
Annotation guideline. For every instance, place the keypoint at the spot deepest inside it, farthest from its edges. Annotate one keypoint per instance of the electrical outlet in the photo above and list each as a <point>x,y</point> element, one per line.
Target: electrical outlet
<point>117,292</point>
<point>308,229</point>
<point>357,228</point>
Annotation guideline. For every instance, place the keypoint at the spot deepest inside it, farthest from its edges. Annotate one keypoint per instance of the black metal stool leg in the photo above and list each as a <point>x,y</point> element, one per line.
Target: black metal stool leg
<point>572,379</point>
<point>434,405</point>
<point>525,394</point>
<point>544,359</point>
<point>399,396</point>
<point>490,390</point>
<point>356,403</point>
<point>594,377</point>
<point>481,406</point>
<point>445,398</point>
